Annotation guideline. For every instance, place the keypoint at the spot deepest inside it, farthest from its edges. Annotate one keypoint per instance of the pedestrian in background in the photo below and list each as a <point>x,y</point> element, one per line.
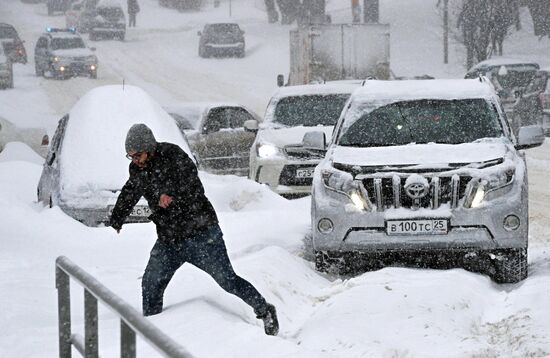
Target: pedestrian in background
<point>133,9</point>
<point>187,225</point>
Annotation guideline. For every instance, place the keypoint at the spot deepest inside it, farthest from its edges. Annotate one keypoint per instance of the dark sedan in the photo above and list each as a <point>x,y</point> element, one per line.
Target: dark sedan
<point>533,104</point>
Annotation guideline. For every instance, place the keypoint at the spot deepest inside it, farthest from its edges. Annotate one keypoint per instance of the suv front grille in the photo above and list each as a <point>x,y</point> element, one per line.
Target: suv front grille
<point>389,192</point>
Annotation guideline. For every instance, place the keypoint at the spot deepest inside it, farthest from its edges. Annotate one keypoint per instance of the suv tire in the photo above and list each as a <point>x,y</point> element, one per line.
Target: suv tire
<point>38,70</point>
<point>10,83</point>
<point>510,266</point>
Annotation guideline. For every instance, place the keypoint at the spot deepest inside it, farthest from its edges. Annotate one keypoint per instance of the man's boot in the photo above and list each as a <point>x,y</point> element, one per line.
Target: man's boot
<point>271,324</point>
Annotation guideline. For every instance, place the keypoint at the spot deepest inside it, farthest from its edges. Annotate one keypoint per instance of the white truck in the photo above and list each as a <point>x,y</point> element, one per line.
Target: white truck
<point>329,52</point>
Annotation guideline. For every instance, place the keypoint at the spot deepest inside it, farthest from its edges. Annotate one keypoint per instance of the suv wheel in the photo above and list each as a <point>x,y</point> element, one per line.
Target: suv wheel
<point>510,266</point>
<point>38,70</point>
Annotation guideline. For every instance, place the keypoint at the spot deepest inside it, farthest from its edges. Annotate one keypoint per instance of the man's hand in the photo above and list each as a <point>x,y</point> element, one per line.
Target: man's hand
<point>165,200</point>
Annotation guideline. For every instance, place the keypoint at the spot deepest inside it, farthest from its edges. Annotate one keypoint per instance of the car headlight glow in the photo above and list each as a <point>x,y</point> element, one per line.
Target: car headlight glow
<point>92,67</point>
<point>56,59</point>
<point>266,150</point>
<point>343,183</point>
<point>478,196</point>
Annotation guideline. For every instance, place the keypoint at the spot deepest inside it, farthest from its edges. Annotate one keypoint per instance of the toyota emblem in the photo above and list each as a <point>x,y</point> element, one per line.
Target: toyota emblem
<point>416,190</point>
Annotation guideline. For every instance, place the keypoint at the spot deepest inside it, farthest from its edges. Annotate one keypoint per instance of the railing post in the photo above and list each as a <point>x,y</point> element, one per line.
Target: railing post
<point>127,341</point>
<point>90,326</point>
<point>62,283</point>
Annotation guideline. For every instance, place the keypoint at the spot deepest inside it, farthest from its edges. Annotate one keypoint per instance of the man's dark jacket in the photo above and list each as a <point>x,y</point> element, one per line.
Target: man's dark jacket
<point>169,171</point>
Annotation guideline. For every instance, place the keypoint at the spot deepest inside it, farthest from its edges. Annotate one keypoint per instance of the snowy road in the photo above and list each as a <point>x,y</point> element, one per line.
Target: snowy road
<point>395,312</point>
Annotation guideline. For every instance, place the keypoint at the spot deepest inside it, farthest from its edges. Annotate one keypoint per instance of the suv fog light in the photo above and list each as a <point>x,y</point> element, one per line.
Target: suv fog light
<point>325,226</point>
<point>511,222</point>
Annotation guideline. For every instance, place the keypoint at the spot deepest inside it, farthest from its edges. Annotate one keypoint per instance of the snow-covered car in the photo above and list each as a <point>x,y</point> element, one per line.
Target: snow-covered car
<point>12,44</point>
<point>108,21</point>
<point>423,168</point>
<point>221,39</point>
<point>533,103</point>
<point>54,6</point>
<point>6,71</point>
<point>508,76</point>
<point>36,138</point>
<point>218,134</point>
<point>62,53</point>
<point>80,14</point>
<point>86,165</point>
<point>277,157</point>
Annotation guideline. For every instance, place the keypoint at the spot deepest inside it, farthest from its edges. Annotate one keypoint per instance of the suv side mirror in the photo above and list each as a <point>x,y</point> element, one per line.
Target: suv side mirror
<point>280,80</point>
<point>251,125</point>
<point>315,141</point>
<point>529,137</point>
<point>518,93</point>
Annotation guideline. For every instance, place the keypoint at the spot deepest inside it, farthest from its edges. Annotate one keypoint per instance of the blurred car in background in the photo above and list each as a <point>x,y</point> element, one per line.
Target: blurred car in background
<point>109,21</point>
<point>509,76</point>
<point>533,103</point>
<point>278,157</point>
<point>86,165</point>
<point>12,44</point>
<point>80,15</point>
<point>36,138</point>
<point>182,5</point>
<point>6,71</point>
<point>57,6</point>
<point>225,39</point>
<point>217,135</point>
<point>62,53</point>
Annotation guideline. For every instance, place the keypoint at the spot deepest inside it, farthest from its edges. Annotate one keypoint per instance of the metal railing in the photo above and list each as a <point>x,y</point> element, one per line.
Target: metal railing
<point>131,321</point>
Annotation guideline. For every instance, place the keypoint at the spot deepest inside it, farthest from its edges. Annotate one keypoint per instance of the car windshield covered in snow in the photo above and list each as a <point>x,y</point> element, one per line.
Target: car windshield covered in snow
<point>310,111</point>
<point>424,121</point>
<point>65,43</point>
<point>112,13</point>
<point>223,28</point>
<point>7,32</point>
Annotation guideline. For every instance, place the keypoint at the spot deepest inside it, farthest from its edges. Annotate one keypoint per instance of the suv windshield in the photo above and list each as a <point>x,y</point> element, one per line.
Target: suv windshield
<point>515,75</point>
<point>424,121</point>
<point>311,110</point>
<point>7,33</point>
<point>67,43</point>
<point>110,13</point>
<point>223,29</point>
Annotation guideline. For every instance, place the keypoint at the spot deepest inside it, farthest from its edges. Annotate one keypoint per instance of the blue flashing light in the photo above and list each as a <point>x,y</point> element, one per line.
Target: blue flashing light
<point>72,29</point>
<point>49,29</point>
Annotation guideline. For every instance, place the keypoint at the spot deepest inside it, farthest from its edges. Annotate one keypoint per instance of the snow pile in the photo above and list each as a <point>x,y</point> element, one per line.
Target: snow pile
<point>17,151</point>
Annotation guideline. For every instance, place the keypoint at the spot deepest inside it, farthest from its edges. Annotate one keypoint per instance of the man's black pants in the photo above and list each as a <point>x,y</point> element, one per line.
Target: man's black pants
<point>206,250</point>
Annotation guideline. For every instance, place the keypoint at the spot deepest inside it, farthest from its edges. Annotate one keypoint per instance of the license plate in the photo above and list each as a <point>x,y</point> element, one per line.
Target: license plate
<point>305,173</point>
<point>417,227</point>
<point>138,210</point>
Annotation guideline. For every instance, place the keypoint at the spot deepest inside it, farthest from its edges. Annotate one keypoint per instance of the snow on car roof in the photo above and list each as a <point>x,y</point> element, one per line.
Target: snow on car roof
<point>109,3</point>
<point>499,61</point>
<point>315,89</point>
<point>93,152</point>
<point>383,91</point>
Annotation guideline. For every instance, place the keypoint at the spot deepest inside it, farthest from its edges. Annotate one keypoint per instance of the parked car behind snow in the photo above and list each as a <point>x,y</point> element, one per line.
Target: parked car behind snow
<point>12,44</point>
<point>221,39</point>
<point>36,138</point>
<point>426,170</point>
<point>277,157</point>
<point>86,165</point>
<point>108,21</point>
<point>218,134</point>
<point>533,104</point>
<point>508,76</point>
<point>6,71</point>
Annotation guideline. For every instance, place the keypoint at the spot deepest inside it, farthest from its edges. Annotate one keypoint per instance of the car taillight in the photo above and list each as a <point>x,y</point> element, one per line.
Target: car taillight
<point>544,100</point>
<point>45,140</point>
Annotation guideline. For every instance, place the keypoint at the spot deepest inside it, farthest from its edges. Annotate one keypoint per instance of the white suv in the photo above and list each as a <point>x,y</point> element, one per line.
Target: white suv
<point>427,170</point>
<point>277,157</point>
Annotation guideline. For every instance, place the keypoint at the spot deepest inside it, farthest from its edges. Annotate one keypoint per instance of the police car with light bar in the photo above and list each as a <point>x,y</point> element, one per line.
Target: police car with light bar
<point>62,53</point>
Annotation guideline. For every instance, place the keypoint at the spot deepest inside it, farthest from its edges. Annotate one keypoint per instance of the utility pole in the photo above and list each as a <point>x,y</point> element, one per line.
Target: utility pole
<point>445,31</point>
<point>229,8</point>
<point>355,11</point>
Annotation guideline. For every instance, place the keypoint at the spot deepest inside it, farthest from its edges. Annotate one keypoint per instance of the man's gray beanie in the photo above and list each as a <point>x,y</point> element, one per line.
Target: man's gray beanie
<point>140,139</point>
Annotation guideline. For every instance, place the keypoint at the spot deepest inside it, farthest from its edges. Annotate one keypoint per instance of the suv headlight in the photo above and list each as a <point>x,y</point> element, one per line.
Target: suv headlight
<point>266,150</point>
<point>487,188</point>
<point>343,183</point>
<point>55,59</point>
